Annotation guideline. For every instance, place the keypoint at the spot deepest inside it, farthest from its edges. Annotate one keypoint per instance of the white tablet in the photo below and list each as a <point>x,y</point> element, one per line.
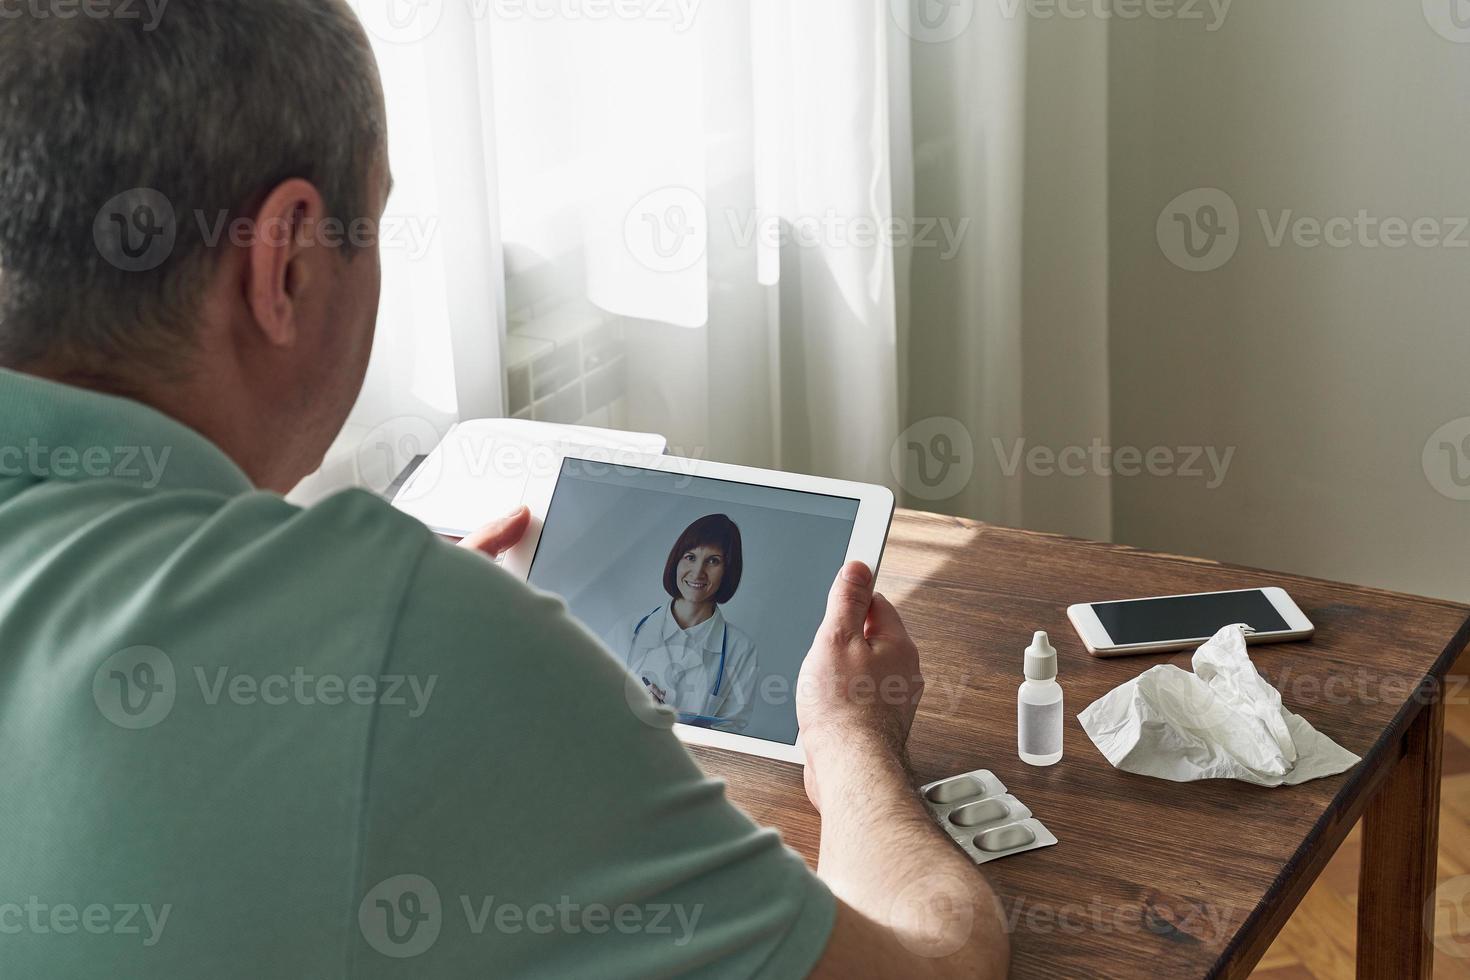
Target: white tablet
<point>707,581</point>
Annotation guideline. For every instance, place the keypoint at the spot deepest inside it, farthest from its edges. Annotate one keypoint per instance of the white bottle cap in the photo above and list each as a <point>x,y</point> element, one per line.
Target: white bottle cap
<point>1041,659</point>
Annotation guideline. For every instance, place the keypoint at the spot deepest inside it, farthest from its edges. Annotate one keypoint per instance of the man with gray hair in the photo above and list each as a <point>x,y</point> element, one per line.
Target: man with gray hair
<point>243,739</point>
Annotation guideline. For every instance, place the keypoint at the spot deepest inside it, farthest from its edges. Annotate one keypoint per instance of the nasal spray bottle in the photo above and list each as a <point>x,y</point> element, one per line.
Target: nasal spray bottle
<point>1039,706</point>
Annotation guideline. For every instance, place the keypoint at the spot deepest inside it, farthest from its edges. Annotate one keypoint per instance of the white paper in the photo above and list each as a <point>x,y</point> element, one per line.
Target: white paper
<point>480,470</point>
<point>1224,721</point>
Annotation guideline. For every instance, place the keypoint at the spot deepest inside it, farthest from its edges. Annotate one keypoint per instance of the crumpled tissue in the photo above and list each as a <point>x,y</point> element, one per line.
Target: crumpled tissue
<point>1221,722</point>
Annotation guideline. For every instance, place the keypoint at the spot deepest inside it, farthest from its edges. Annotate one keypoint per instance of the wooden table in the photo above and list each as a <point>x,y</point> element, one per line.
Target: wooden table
<point>1152,878</point>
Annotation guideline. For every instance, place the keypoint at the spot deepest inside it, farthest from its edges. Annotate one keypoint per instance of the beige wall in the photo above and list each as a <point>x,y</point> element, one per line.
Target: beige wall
<point>1327,369</point>
<point>1065,396</point>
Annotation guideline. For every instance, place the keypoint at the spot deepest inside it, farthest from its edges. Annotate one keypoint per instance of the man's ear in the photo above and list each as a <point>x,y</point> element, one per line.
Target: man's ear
<point>281,248</point>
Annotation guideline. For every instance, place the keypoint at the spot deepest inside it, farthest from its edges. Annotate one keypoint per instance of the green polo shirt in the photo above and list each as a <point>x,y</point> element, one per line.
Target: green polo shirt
<point>243,739</point>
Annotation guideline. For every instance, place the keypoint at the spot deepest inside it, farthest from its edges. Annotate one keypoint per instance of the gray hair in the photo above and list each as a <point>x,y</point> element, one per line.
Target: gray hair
<point>108,121</point>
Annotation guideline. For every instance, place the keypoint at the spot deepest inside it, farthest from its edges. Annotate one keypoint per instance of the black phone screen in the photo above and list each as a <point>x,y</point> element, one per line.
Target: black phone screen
<point>1187,617</point>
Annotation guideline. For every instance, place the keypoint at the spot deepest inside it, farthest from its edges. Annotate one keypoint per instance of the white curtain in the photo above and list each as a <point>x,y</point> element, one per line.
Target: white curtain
<point>827,230</point>
<point>668,162</point>
<point>1008,339</point>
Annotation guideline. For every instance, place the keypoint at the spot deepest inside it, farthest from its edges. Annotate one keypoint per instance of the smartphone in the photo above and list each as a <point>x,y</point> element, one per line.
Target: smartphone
<point>1181,622</point>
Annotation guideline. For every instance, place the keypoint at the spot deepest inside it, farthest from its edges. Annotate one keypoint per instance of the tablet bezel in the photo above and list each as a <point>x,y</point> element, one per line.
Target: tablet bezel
<point>869,534</point>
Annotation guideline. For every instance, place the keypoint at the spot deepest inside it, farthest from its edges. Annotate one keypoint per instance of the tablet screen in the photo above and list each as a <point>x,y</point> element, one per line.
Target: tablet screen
<point>708,591</point>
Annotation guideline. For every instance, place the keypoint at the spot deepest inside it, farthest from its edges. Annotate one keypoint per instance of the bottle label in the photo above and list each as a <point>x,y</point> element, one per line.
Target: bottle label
<point>1040,727</point>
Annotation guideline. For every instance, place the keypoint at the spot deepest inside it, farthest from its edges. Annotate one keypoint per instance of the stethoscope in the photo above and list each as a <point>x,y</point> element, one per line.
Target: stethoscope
<point>724,645</point>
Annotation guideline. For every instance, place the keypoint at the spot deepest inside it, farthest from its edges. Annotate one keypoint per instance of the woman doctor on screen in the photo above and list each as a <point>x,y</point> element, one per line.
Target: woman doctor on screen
<point>683,650</point>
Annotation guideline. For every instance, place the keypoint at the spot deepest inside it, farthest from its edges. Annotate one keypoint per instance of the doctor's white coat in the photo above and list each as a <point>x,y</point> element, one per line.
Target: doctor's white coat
<point>686,663</point>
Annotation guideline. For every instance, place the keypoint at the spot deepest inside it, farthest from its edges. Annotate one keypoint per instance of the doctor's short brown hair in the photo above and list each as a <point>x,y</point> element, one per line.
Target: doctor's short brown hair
<point>715,531</point>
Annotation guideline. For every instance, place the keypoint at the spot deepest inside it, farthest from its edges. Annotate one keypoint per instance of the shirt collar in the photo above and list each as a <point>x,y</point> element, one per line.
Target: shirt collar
<point>709,634</point>
<point>53,431</point>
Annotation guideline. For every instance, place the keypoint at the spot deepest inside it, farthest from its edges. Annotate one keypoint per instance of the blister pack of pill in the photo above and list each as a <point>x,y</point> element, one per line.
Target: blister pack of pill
<point>982,817</point>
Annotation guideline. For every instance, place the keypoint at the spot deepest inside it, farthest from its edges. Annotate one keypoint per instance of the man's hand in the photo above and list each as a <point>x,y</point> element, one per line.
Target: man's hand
<point>499,537</point>
<point>899,880</point>
<point>860,684</point>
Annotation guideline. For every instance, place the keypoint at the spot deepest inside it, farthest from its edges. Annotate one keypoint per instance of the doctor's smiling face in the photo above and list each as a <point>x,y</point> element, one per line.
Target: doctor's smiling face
<point>700,572</point>
<point>703,567</point>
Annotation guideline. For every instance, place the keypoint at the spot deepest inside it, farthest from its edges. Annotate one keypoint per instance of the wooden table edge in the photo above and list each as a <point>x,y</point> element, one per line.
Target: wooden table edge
<point>1251,940</point>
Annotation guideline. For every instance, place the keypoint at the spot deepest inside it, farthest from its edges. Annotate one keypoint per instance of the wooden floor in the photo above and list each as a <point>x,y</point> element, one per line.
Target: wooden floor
<point>1319,943</point>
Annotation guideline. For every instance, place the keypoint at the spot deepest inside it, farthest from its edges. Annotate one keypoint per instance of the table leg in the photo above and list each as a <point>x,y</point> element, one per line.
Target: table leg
<point>1400,847</point>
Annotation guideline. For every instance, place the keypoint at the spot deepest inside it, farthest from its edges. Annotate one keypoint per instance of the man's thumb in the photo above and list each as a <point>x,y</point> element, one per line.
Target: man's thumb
<point>847,604</point>
<point>497,538</point>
